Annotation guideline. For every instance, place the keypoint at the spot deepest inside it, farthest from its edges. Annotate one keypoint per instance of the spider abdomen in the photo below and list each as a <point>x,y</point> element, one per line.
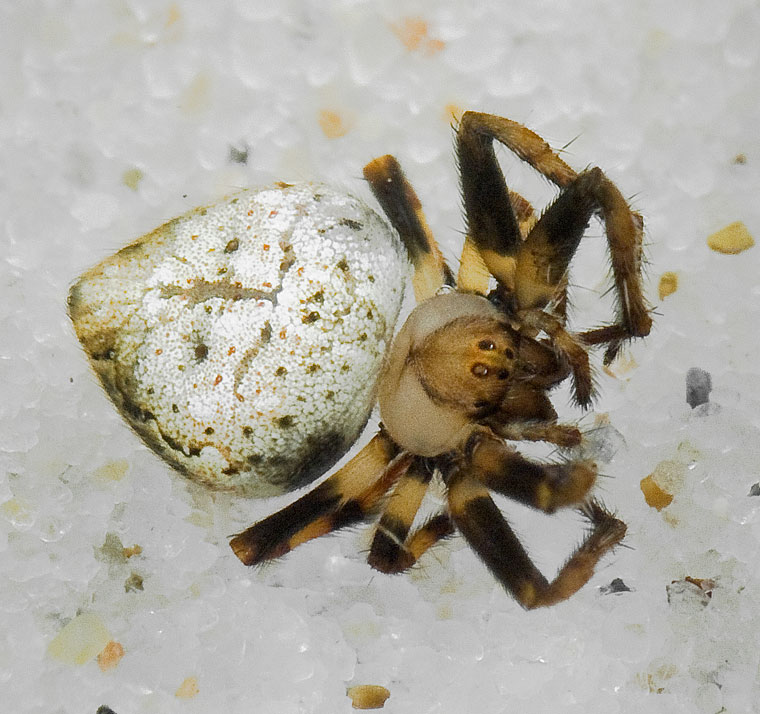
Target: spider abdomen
<point>241,341</point>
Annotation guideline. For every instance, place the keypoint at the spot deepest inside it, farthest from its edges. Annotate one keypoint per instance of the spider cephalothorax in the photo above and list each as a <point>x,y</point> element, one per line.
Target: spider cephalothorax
<point>470,369</point>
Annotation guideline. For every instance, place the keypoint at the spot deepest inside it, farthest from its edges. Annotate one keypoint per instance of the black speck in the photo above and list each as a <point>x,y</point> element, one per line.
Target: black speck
<point>329,394</point>
<point>175,408</point>
<point>105,709</point>
<point>266,332</point>
<point>238,155</point>
<point>232,246</point>
<point>345,368</point>
<point>698,387</point>
<point>754,490</point>
<point>616,586</point>
<point>312,368</point>
<point>363,337</point>
<point>318,297</point>
<point>280,372</point>
<point>201,352</point>
<point>311,317</point>
<point>247,431</point>
<point>209,431</point>
<point>285,422</point>
<point>371,278</point>
<point>343,265</point>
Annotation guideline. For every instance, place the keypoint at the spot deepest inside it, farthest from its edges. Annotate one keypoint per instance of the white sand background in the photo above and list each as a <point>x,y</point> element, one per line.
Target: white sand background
<point>116,115</point>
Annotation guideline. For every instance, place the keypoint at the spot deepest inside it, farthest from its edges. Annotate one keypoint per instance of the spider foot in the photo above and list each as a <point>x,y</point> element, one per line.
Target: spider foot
<point>607,530</point>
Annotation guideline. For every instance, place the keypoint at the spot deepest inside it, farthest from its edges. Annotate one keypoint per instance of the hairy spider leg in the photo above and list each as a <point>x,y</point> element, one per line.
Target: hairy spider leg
<point>569,346</point>
<point>524,143</point>
<point>491,221</point>
<point>544,257</point>
<point>488,533</point>
<point>537,268</point>
<point>349,496</point>
<point>524,213</point>
<point>403,209</point>
<point>437,528</point>
<point>473,275</point>
<point>392,551</point>
<point>545,487</point>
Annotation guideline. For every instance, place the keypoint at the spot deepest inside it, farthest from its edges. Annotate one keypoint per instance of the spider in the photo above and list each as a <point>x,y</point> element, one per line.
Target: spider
<point>469,373</point>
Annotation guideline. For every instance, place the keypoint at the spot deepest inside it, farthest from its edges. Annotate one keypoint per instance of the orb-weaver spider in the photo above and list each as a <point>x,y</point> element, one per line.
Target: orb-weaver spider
<point>470,369</point>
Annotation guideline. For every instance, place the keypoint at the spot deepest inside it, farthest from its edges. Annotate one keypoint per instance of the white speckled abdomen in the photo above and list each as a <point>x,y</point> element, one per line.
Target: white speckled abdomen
<point>242,341</point>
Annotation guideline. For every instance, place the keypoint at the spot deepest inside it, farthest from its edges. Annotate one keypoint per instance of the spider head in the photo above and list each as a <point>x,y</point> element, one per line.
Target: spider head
<point>449,365</point>
<point>466,364</point>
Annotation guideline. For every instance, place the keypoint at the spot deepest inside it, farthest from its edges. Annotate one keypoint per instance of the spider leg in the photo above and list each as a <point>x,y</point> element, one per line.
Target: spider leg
<point>473,275</point>
<point>495,215</point>
<point>401,205</point>
<point>524,213</point>
<point>544,257</point>
<point>536,269</point>
<point>346,497</point>
<point>393,549</point>
<point>526,402</point>
<point>388,553</point>
<point>486,530</point>
<point>567,346</point>
<point>520,140</point>
<point>562,435</point>
<point>545,487</point>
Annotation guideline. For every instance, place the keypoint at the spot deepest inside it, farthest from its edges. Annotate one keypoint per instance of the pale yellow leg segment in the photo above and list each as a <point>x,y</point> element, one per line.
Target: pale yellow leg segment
<point>473,275</point>
<point>342,499</point>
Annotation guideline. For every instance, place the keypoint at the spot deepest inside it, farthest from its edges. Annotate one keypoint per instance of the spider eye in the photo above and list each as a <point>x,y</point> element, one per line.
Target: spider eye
<point>503,374</point>
<point>509,353</point>
<point>479,370</point>
<point>486,345</point>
